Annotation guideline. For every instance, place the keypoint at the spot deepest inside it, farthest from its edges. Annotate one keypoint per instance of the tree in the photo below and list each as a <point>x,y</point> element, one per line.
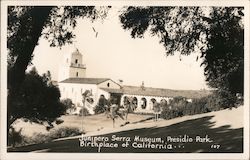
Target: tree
<point>113,110</point>
<point>218,36</point>
<point>224,57</point>
<point>179,28</point>
<point>26,24</point>
<point>68,104</point>
<point>129,105</point>
<point>101,106</point>
<point>38,100</point>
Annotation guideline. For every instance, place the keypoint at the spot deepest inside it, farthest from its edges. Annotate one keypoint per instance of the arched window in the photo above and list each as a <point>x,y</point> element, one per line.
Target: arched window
<point>76,61</point>
<point>144,103</point>
<point>76,74</point>
<point>134,102</point>
<point>108,84</point>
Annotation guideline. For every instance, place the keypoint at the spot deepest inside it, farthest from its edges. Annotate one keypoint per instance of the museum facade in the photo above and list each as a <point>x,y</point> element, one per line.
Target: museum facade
<point>73,83</point>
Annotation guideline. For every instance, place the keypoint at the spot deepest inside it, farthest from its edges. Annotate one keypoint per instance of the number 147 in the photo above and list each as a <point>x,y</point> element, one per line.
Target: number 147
<point>215,146</point>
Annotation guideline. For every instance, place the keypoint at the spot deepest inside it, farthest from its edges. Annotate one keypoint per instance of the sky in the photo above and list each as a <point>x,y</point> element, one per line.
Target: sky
<point>114,54</point>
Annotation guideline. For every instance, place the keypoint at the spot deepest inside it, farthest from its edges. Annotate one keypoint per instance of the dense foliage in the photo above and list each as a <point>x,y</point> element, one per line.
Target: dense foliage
<point>17,139</point>
<point>217,33</point>
<point>224,57</point>
<point>178,106</point>
<point>101,106</point>
<point>84,112</point>
<point>70,107</point>
<point>38,100</point>
<point>26,24</point>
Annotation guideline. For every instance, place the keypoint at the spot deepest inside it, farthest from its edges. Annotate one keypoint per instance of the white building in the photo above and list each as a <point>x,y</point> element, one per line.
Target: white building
<point>73,82</point>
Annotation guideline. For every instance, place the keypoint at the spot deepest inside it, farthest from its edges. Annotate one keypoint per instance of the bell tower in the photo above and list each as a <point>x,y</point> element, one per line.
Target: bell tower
<point>72,66</point>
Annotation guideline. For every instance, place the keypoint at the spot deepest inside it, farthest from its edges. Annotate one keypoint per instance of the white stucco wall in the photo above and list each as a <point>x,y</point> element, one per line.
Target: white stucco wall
<point>74,91</point>
<point>73,70</point>
<point>109,84</point>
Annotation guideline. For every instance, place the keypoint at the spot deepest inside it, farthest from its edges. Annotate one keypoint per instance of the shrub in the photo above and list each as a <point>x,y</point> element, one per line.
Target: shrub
<point>213,102</point>
<point>84,112</point>
<point>178,106</point>
<point>170,113</point>
<point>64,132</point>
<point>175,108</point>
<point>69,105</point>
<point>226,99</point>
<point>15,137</point>
<point>100,107</point>
<point>196,107</point>
<point>44,138</point>
<point>37,138</point>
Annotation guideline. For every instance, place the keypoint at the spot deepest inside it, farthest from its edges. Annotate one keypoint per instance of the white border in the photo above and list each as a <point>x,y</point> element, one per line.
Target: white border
<point>3,86</point>
<point>151,156</point>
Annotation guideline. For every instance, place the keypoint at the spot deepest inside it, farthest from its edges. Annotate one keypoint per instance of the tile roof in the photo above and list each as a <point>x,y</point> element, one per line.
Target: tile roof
<point>85,80</point>
<point>148,91</point>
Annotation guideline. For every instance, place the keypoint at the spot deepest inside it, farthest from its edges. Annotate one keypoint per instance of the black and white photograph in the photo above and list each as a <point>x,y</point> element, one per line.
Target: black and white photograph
<point>124,80</point>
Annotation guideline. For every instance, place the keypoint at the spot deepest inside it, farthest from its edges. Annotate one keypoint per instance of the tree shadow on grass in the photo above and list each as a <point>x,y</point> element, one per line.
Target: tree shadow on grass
<point>230,140</point>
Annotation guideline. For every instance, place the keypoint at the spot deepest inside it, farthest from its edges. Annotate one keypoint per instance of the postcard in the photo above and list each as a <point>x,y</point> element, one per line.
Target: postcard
<point>124,79</point>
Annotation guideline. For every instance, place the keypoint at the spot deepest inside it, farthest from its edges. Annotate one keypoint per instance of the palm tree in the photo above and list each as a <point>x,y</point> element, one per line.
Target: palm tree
<point>113,111</point>
<point>87,94</point>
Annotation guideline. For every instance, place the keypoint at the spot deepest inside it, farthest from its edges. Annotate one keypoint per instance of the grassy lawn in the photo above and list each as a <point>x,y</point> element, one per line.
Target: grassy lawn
<point>90,123</point>
<point>224,128</point>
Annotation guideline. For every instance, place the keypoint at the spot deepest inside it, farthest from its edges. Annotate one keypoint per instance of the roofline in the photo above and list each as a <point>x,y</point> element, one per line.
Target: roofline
<point>111,80</point>
<point>155,95</point>
<point>105,79</point>
<point>169,89</point>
